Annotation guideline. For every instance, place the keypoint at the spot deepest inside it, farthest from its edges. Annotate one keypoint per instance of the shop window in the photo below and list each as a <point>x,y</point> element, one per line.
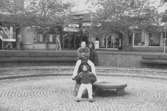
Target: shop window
<point>45,35</point>
<point>53,38</point>
<point>102,42</point>
<point>50,38</point>
<point>164,35</point>
<point>39,38</point>
<point>154,39</point>
<point>143,39</point>
<point>139,40</point>
<point>110,41</point>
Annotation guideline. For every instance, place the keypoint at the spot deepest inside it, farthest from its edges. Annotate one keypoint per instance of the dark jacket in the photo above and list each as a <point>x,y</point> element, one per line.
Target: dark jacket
<point>87,77</point>
<point>93,56</point>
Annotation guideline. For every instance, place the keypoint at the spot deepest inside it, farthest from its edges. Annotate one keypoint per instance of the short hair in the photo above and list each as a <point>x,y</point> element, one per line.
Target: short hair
<point>83,42</point>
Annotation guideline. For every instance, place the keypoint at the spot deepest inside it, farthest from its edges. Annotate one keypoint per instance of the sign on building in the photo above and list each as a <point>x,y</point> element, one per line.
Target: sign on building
<point>69,29</point>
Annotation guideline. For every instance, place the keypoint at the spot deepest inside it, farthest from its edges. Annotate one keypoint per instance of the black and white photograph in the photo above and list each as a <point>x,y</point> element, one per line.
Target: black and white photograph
<point>83,55</point>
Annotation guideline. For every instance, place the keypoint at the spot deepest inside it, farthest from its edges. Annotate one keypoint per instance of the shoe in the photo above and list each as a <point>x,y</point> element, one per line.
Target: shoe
<point>91,100</point>
<point>77,100</point>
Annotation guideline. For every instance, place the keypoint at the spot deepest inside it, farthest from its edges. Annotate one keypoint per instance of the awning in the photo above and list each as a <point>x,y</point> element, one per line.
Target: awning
<point>7,40</point>
<point>69,29</point>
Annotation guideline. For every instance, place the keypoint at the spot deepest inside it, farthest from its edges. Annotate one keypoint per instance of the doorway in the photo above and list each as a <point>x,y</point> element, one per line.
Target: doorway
<point>1,44</point>
<point>72,40</point>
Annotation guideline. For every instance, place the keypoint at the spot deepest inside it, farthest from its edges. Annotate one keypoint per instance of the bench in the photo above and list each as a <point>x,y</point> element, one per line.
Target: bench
<point>118,88</point>
<point>154,59</point>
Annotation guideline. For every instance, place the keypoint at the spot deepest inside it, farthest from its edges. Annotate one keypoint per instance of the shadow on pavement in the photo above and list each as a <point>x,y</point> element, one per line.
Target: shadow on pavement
<point>109,93</point>
<point>106,93</point>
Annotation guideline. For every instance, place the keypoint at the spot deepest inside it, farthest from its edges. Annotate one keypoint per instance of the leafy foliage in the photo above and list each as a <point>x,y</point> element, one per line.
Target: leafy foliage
<point>119,15</point>
<point>127,11</point>
<point>37,12</point>
<point>48,9</point>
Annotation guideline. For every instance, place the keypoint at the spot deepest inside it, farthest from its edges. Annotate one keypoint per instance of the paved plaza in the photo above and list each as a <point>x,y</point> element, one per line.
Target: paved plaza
<point>55,94</point>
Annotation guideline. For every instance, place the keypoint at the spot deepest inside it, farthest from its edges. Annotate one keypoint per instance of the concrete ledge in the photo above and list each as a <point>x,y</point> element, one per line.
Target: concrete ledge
<point>68,57</point>
<point>141,53</point>
<point>21,72</point>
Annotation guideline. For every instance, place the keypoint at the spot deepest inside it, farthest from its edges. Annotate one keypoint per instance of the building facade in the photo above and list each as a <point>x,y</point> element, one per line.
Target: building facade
<point>36,37</point>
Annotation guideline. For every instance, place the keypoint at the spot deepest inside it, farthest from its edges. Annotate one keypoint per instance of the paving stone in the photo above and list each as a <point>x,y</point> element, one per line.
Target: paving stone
<point>55,94</point>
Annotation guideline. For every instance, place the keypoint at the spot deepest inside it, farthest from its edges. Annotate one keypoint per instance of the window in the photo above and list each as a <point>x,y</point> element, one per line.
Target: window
<point>164,37</point>
<point>139,40</point>
<point>145,39</point>
<point>109,41</point>
<point>102,41</point>
<point>50,38</point>
<point>39,38</point>
<point>45,35</point>
<point>154,39</point>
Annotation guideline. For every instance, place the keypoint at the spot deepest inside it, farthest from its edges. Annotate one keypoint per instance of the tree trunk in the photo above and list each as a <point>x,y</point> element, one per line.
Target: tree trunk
<point>125,41</point>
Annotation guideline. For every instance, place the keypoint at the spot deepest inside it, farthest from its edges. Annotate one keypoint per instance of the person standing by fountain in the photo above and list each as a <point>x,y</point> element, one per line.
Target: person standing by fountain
<point>83,58</point>
<point>93,54</point>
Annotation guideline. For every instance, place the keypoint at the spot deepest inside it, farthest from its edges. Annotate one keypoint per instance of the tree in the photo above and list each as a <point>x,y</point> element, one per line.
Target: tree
<point>35,12</point>
<point>48,10</point>
<point>11,6</point>
<point>124,10</point>
<point>119,15</point>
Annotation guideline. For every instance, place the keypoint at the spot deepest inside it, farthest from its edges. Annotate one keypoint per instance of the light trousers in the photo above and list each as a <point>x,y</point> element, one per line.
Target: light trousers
<point>84,87</point>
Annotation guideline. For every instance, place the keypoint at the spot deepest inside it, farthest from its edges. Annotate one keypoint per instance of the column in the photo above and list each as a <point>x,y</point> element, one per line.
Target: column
<point>133,39</point>
<point>161,39</point>
<point>11,32</point>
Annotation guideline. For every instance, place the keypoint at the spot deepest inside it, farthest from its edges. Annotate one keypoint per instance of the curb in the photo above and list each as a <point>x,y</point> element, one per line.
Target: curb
<point>71,67</point>
<point>67,74</point>
<point>67,71</point>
